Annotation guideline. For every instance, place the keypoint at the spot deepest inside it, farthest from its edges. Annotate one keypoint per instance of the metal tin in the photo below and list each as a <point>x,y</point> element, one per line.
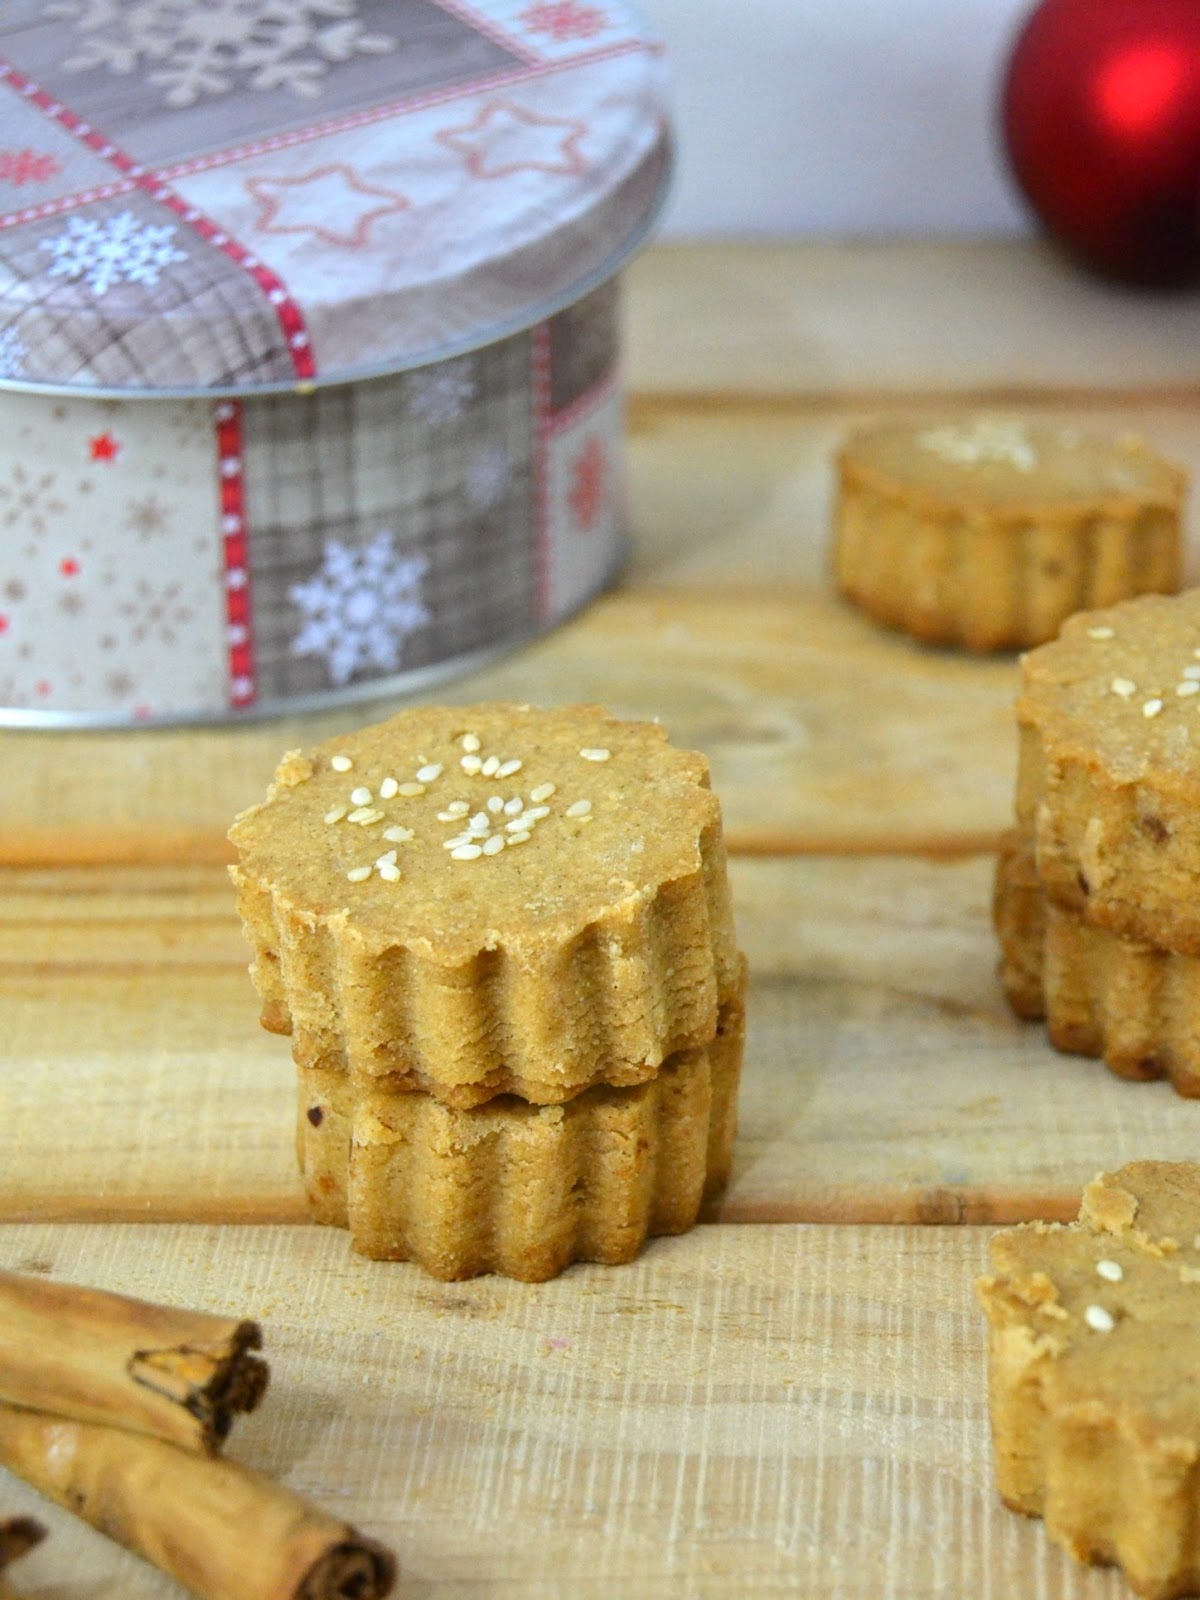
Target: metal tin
<point>308,341</point>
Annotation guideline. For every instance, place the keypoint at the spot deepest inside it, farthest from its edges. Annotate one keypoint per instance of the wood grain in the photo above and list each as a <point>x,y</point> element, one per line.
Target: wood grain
<point>745,1411</point>
<point>885,1078</point>
<point>993,316</point>
<point>825,733</point>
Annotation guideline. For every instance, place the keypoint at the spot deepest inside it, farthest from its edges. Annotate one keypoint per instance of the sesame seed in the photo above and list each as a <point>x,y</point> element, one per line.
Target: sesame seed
<point>495,803</point>
<point>470,742</point>
<point>517,824</point>
<point>537,813</point>
<point>542,792</point>
<point>480,820</point>
<point>470,764</point>
<point>1190,672</point>
<point>458,808</point>
<point>336,814</point>
<point>389,872</point>
<point>365,815</point>
<point>1152,708</point>
<point>340,763</point>
<point>1123,687</point>
<point>494,845</point>
<point>431,773</point>
<point>360,796</point>
<point>388,788</point>
<point>514,807</point>
<point>459,838</point>
<point>411,790</point>
<point>579,809</point>
<point>595,754</point>
<point>507,768</point>
<point>398,835</point>
<point>359,874</point>
<point>1100,633</point>
<point>1112,1270</point>
<point>448,816</point>
<point>388,855</point>
<point>1098,1318</point>
<point>520,837</point>
<point>1188,688</point>
<point>491,767</point>
<point>466,852</point>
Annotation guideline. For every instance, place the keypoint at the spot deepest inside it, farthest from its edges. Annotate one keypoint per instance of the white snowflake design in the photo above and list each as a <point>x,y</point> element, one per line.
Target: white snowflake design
<point>13,353</point>
<point>109,250</point>
<point>442,393</point>
<point>360,606</point>
<point>202,50</point>
<point>487,476</point>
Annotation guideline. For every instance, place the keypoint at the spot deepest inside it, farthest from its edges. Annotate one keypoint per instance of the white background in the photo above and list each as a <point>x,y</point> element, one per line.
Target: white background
<point>835,117</point>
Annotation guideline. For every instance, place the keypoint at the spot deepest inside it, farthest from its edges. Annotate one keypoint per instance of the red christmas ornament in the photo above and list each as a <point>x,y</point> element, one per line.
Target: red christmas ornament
<point>1102,121</point>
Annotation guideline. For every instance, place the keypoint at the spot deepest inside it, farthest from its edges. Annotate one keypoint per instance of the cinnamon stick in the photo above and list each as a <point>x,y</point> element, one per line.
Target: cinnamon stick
<point>180,1375</point>
<point>224,1532</point>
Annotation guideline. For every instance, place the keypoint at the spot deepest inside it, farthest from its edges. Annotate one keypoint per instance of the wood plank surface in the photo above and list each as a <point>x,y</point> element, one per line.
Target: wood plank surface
<point>885,1078</point>
<point>997,316</point>
<point>745,1411</point>
<point>825,732</point>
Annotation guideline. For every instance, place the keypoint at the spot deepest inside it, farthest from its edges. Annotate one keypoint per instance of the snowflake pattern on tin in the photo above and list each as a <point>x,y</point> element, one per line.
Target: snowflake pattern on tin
<point>360,606</point>
<point>487,476</point>
<point>564,20</point>
<point>13,352</point>
<point>196,52</point>
<point>23,166</point>
<point>112,250</point>
<point>443,392</point>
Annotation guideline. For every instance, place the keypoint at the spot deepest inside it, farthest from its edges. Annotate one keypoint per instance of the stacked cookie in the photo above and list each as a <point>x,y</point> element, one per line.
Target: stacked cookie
<point>502,942</point>
<point>987,532</point>
<point>1096,893</point>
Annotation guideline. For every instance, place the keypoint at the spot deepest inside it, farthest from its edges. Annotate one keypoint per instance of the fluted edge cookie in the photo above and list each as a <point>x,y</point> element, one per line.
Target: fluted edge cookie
<point>520,1189</point>
<point>1127,1002</point>
<point>988,533</point>
<point>1108,785</point>
<point>1093,1349</point>
<point>490,900</point>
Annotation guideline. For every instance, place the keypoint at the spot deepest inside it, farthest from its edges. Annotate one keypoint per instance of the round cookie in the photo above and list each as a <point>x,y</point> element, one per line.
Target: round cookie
<point>1130,1003</point>
<point>490,900</point>
<point>988,533</point>
<point>1092,1357</point>
<point>1108,786</point>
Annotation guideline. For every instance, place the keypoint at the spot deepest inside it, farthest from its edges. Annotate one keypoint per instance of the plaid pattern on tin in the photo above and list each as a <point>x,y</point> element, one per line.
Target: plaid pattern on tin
<point>391,522</point>
<point>134,298</point>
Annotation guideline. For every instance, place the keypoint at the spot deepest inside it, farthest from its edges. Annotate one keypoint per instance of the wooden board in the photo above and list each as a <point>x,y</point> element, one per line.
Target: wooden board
<point>885,1078</point>
<point>989,316</point>
<point>745,1411</point>
<point>825,732</point>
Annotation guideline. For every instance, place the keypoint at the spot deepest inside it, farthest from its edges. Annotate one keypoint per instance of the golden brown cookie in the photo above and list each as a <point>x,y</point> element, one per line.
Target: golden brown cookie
<point>1108,788</point>
<point>1093,1353</point>
<point>1136,1006</point>
<point>988,532</point>
<point>517,1188</point>
<point>490,900</point>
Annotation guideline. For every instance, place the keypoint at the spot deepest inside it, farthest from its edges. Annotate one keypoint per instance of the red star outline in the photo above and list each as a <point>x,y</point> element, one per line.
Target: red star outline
<point>105,446</point>
<point>476,158</point>
<point>271,205</point>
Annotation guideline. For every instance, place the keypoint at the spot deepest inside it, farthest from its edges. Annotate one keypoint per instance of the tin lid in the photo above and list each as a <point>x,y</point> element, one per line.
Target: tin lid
<point>243,195</point>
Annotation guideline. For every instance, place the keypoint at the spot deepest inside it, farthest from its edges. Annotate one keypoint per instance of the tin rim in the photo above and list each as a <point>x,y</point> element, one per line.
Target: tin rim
<point>496,333</point>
